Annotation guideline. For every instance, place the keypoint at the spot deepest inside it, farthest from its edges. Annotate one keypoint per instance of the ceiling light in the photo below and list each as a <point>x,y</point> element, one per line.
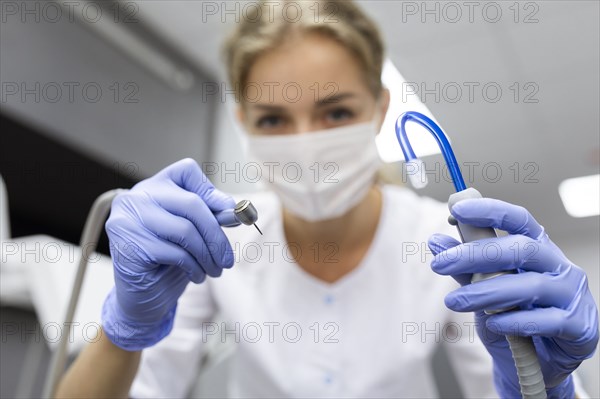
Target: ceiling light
<point>581,196</point>
<point>402,99</point>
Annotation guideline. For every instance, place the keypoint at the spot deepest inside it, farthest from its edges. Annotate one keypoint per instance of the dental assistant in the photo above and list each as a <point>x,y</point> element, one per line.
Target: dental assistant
<point>341,300</point>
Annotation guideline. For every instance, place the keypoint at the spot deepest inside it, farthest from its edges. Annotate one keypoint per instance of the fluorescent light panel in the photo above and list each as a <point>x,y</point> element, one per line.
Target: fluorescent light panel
<point>581,196</point>
<point>402,100</point>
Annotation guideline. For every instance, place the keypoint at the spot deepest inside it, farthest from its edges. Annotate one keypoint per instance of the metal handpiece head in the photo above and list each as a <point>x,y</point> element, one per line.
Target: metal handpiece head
<point>246,213</point>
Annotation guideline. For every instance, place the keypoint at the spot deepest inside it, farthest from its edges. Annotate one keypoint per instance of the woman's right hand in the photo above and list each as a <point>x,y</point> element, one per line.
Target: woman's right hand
<point>162,234</point>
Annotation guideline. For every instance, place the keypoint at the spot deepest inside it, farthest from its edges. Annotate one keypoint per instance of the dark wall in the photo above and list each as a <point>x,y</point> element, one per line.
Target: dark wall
<point>50,185</point>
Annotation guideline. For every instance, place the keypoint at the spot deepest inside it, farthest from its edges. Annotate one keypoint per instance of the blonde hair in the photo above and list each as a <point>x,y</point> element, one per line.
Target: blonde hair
<point>268,27</point>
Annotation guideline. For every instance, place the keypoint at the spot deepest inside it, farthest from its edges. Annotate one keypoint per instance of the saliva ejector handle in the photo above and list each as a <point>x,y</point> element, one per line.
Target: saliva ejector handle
<point>529,371</point>
<point>470,233</point>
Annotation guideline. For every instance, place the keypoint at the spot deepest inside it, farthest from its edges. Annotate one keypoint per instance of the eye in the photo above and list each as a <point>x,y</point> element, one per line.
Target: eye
<point>338,115</point>
<point>269,122</point>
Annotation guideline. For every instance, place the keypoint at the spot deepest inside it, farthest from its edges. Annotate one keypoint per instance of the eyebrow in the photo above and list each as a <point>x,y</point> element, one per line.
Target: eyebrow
<point>266,107</point>
<point>332,99</point>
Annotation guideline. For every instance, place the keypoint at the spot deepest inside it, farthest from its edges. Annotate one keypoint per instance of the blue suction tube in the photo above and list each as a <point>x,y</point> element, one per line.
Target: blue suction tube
<point>440,137</point>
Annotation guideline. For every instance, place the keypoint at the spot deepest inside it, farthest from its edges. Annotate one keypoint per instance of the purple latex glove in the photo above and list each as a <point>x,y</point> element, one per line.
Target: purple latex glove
<point>552,294</point>
<point>163,234</point>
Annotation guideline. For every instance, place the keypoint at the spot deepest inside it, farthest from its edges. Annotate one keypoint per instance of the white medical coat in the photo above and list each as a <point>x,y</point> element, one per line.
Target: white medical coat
<point>370,334</point>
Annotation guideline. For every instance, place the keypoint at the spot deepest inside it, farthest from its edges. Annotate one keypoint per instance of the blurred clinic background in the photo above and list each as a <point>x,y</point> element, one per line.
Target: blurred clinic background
<point>98,95</point>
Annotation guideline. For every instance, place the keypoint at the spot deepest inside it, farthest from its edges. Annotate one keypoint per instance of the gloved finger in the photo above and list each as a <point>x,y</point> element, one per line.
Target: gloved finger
<point>514,290</point>
<point>167,253</point>
<point>489,212</point>
<point>154,251</point>
<point>549,322</point>
<point>190,206</point>
<point>496,254</point>
<point>440,242</point>
<point>188,175</point>
<point>488,336</point>
<point>182,232</point>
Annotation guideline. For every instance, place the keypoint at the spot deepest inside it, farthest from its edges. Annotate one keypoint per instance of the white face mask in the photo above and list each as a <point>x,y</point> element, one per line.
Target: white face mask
<point>318,175</point>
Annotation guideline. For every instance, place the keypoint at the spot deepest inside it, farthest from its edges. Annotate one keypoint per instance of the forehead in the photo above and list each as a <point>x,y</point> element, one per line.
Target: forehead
<point>302,70</point>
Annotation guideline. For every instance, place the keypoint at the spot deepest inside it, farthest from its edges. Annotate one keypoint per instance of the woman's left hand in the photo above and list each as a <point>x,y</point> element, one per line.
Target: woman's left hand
<point>551,294</point>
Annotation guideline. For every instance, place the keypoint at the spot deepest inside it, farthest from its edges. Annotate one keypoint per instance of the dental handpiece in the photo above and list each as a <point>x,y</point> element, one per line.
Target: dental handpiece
<point>243,213</point>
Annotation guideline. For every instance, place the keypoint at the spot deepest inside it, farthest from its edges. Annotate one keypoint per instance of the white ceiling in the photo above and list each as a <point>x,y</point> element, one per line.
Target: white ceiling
<point>557,137</point>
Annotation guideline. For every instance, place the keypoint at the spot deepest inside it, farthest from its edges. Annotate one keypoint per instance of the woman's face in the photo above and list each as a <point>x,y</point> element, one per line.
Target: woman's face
<point>309,83</point>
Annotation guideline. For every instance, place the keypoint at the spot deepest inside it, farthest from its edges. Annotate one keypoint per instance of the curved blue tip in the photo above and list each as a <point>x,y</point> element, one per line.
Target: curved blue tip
<point>440,137</point>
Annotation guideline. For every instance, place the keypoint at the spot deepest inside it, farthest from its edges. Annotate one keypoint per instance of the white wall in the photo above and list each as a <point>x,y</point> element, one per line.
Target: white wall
<point>228,153</point>
<point>164,125</point>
